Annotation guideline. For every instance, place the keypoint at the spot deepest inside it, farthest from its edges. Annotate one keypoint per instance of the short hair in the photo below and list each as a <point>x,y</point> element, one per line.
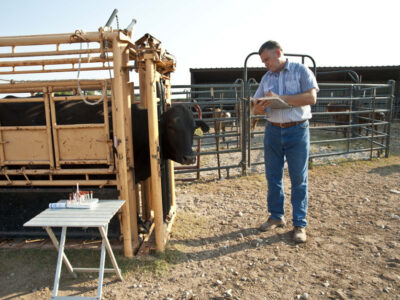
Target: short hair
<point>270,45</point>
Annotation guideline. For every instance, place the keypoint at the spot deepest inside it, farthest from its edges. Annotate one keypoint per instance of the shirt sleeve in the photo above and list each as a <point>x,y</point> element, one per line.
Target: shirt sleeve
<point>307,80</point>
<point>260,90</point>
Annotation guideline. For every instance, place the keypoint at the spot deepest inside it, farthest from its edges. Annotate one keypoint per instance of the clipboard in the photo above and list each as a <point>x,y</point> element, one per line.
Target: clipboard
<point>276,102</point>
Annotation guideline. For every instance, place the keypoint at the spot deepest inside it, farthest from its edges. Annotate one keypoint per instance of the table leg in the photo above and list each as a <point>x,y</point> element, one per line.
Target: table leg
<point>101,269</point>
<point>55,243</point>
<point>110,252</point>
<point>59,261</point>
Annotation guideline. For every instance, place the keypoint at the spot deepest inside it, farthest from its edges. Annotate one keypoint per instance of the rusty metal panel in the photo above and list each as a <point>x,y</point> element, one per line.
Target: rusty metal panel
<point>82,145</point>
<point>29,145</point>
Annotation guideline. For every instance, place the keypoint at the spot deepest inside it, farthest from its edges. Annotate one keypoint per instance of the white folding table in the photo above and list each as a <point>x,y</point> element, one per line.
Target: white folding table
<point>98,216</point>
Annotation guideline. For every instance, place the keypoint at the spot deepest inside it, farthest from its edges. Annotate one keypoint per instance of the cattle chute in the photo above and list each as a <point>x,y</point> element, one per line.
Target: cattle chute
<point>92,149</point>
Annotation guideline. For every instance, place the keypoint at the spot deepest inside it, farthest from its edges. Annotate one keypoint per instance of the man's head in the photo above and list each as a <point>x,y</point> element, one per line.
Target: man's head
<point>272,56</point>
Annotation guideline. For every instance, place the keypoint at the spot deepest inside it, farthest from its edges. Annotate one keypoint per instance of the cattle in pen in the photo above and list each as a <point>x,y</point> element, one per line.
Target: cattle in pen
<point>176,128</point>
<point>361,118</point>
<point>220,124</point>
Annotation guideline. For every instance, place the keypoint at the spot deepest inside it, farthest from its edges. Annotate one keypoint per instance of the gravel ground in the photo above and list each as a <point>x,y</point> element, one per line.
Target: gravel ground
<point>216,252</point>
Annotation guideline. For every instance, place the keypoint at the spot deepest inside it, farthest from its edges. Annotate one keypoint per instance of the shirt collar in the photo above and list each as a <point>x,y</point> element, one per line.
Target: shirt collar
<point>287,67</point>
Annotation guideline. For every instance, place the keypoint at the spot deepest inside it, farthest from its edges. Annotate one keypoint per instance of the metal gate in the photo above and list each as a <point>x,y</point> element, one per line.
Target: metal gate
<point>220,106</point>
<point>357,127</point>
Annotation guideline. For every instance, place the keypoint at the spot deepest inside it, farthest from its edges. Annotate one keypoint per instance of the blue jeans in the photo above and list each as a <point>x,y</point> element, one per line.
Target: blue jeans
<point>294,144</point>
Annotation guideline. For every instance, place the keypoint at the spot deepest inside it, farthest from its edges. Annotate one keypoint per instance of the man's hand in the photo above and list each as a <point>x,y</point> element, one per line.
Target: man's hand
<point>271,94</point>
<point>260,106</point>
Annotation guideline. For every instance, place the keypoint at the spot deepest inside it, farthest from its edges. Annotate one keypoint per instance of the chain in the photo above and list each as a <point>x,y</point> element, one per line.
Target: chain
<point>116,17</point>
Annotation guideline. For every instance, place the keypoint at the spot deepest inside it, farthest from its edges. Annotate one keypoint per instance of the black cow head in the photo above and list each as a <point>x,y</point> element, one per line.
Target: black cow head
<point>177,127</point>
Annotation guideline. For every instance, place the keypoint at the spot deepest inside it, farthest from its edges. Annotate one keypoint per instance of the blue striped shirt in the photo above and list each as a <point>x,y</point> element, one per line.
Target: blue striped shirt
<point>295,78</point>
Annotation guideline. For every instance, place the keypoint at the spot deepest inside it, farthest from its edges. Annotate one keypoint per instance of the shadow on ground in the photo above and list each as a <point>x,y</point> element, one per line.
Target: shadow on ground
<point>248,239</point>
<point>386,170</point>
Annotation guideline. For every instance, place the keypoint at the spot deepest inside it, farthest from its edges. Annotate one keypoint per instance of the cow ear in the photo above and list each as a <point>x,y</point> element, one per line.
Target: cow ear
<point>204,127</point>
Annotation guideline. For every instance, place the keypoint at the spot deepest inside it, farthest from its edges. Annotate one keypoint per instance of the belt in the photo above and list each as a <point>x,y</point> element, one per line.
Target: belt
<point>286,125</point>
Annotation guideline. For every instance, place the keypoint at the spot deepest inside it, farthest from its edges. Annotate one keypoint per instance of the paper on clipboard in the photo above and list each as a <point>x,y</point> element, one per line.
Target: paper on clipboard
<point>276,102</point>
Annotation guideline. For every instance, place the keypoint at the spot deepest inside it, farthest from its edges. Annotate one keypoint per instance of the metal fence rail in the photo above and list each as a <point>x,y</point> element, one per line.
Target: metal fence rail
<point>349,121</point>
<point>220,108</point>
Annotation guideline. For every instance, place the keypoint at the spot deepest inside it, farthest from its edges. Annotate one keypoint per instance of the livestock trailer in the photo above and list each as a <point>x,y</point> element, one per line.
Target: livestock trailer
<point>57,133</point>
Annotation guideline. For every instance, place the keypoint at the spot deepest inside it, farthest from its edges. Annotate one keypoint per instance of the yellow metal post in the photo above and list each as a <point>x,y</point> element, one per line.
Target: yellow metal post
<point>120,134</point>
<point>156,193</point>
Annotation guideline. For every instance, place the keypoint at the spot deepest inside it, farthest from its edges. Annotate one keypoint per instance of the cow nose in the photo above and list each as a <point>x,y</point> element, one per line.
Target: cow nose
<point>189,159</point>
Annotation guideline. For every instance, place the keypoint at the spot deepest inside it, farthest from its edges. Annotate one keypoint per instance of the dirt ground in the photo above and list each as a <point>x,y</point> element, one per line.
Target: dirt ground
<point>216,252</point>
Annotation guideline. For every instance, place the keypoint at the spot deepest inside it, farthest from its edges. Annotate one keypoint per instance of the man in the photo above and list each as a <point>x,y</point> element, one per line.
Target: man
<point>286,135</point>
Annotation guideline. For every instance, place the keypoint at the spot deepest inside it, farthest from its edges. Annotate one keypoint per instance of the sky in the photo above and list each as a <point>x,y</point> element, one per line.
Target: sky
<point>221,33</point>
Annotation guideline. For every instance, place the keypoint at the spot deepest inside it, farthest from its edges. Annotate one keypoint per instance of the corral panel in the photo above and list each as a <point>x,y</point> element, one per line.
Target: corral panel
<point>82,145</point>
<point>25,146</point>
